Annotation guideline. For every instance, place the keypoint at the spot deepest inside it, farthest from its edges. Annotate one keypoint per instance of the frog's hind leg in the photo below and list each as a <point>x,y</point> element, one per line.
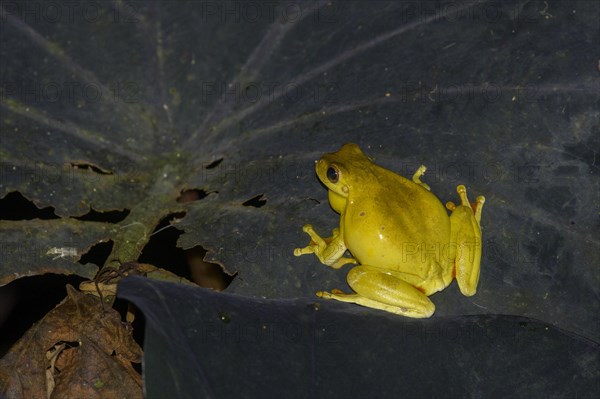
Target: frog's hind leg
<point>378,290</point>
<point>466,240</point>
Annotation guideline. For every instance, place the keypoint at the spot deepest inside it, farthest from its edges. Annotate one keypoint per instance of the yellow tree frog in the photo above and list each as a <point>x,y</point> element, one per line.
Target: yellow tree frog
<point>405,245</point>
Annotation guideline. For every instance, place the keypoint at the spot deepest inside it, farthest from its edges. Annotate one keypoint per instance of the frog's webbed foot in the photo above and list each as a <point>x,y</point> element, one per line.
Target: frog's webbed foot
<point>466,239</point>
<point>329,250</point>
<point>416,177</point>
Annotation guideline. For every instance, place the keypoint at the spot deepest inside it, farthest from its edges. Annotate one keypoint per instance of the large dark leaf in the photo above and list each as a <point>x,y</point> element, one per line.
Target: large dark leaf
<point>121,106</point>
<point>204,344</point>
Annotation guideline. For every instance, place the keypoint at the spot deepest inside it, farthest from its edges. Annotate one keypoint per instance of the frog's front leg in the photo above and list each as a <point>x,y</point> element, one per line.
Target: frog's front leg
<point>330,251</point>
<point>417,177</point>
<point>379,290</point>
<point>465,234</point>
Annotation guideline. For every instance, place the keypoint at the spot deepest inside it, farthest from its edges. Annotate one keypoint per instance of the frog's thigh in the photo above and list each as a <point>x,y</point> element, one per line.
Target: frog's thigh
<point>379,290</point>
<point>466,236</point>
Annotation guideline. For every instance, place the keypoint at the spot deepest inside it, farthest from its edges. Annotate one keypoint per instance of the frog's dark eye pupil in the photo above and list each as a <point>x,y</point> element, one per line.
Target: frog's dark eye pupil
<point>332,174</point>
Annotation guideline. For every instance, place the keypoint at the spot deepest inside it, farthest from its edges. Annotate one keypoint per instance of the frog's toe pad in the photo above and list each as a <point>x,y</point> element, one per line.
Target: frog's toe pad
<point>303,251</point>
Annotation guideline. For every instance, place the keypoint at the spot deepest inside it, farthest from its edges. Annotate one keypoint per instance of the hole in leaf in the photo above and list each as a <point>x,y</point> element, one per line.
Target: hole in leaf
<point>256,202</point>
<point>26,300</point>
<point>162,251</point>
<point>91,167</point>
<point>69,344</point>
<point>191,195</point>
<point>14,206</point>
<point>107,217</point>
<point>214,163</point>
<point>207,274</point>
<point>97,254</point>
<point>61,356</point>
<point>138,324</point>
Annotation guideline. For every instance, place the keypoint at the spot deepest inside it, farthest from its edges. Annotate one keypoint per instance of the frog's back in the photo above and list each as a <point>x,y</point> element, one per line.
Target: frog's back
<point>396,224</point>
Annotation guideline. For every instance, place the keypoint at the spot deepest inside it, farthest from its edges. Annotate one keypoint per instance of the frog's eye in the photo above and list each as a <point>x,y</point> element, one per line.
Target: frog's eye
<point>333,174</point>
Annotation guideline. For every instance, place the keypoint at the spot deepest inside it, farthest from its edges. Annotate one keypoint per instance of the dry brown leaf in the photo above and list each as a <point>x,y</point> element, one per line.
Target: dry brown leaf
<point>81,348</point>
